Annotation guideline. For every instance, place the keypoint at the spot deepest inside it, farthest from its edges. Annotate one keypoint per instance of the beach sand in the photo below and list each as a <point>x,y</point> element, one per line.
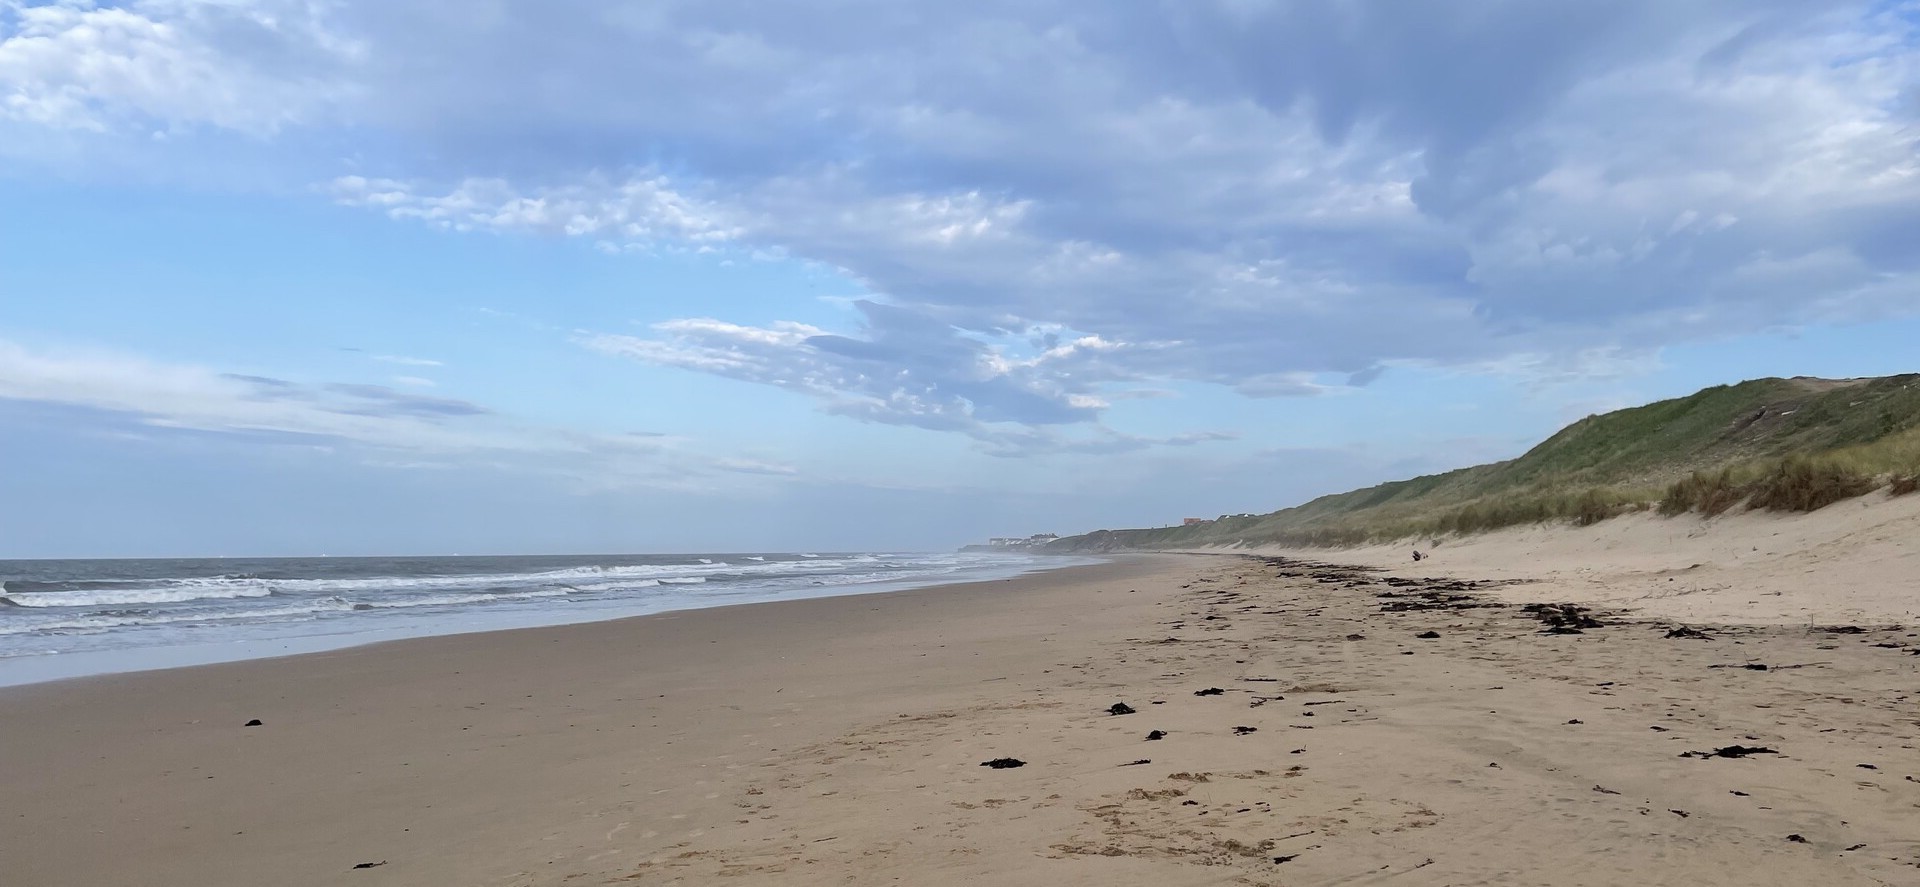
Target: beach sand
<point>1854,561</point>
<point>840,741</point>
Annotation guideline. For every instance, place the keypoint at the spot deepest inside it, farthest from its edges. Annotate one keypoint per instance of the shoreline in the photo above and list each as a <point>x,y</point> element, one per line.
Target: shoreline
<point>33,669</point>
<point>1321,724</point>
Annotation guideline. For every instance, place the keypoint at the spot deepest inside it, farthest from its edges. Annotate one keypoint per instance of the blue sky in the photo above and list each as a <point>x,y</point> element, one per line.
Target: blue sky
<point>341,276</point>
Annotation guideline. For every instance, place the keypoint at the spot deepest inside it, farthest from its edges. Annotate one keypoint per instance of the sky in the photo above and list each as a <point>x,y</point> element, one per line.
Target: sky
<point>299,277</point>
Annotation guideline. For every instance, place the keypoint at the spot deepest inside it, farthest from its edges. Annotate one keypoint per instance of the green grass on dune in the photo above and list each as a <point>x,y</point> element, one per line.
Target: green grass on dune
<point>1779,444</point>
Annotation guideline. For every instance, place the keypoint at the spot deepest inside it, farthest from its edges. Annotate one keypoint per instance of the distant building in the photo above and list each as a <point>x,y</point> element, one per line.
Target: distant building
<point>1193,521</point>
<point>1022,541</point>
<point>1014,542</point>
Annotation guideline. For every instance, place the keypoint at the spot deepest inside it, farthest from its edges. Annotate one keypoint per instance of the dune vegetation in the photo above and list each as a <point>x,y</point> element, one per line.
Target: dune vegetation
<point>1795,444</point>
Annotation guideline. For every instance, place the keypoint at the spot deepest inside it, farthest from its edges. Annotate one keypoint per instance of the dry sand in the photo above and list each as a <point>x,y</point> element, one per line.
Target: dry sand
<point>1855,561</point>
<point>839,741</point>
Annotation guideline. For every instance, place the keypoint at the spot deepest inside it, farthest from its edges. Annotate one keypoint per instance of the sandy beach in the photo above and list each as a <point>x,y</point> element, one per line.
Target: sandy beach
<point>1320,725</point>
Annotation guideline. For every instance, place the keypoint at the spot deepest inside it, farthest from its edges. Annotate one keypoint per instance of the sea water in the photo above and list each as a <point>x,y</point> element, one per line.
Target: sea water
<point>67,618</point>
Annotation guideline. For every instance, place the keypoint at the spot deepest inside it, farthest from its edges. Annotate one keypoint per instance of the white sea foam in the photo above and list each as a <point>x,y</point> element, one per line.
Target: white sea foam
<point>103,622</point>
<point>180,592</point>
<point>616,585</point>
<point>567,576</point>
<point>308,608</point>
<point>604,578</point>
<point>481,580</point>
<point>449,600</point>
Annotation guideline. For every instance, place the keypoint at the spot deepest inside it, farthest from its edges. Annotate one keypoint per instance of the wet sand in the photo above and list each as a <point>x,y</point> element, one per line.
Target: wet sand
<point>840,741</point>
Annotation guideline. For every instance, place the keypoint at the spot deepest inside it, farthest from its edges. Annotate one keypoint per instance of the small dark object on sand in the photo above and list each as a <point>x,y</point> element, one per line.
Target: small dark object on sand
<point>1420,601</point>
<point>1563,618</point>
<point>1576,721</point>
<point>1866,766</point>
<point>1242,731</point>
<point>1156,735</point>
<point>253,723</point>
<point>1119,708</point>
<point>1842,629</point>
<point>1427,635</point>
<point>370,865</point>
<point>1739,793</point>
<point>1797,839</point>
<point>1417,556</point>
<point>1003,763</point>
<point>1689,632</point>
<point>1853,848</point>
<point>1731,751</point>
<point>1283,859</point>
<point>1137,763</point>
<point>1210,691</point>
<point>1605,791</point>
<point>1680,813</point>
<point>1356,637</point>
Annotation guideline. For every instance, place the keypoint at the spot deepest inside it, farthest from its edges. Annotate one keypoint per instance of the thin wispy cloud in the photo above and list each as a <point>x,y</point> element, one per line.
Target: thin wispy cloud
<point>407,361</point>
<point>123,391</point>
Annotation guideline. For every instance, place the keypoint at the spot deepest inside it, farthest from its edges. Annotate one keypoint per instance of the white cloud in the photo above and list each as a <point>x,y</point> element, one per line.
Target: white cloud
<point>906,368</point>
<point>249,65</point>
<point>407,361</point>
<point>184,396</point>
<point>636,211</point>
<point>390,426</point>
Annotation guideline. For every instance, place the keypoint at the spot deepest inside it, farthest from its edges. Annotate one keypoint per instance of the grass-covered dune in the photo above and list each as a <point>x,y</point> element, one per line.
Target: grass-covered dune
<point>1783,444</point>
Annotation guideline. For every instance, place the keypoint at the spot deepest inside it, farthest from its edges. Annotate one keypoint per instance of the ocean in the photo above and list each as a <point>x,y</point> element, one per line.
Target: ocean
<point>69,618</point>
